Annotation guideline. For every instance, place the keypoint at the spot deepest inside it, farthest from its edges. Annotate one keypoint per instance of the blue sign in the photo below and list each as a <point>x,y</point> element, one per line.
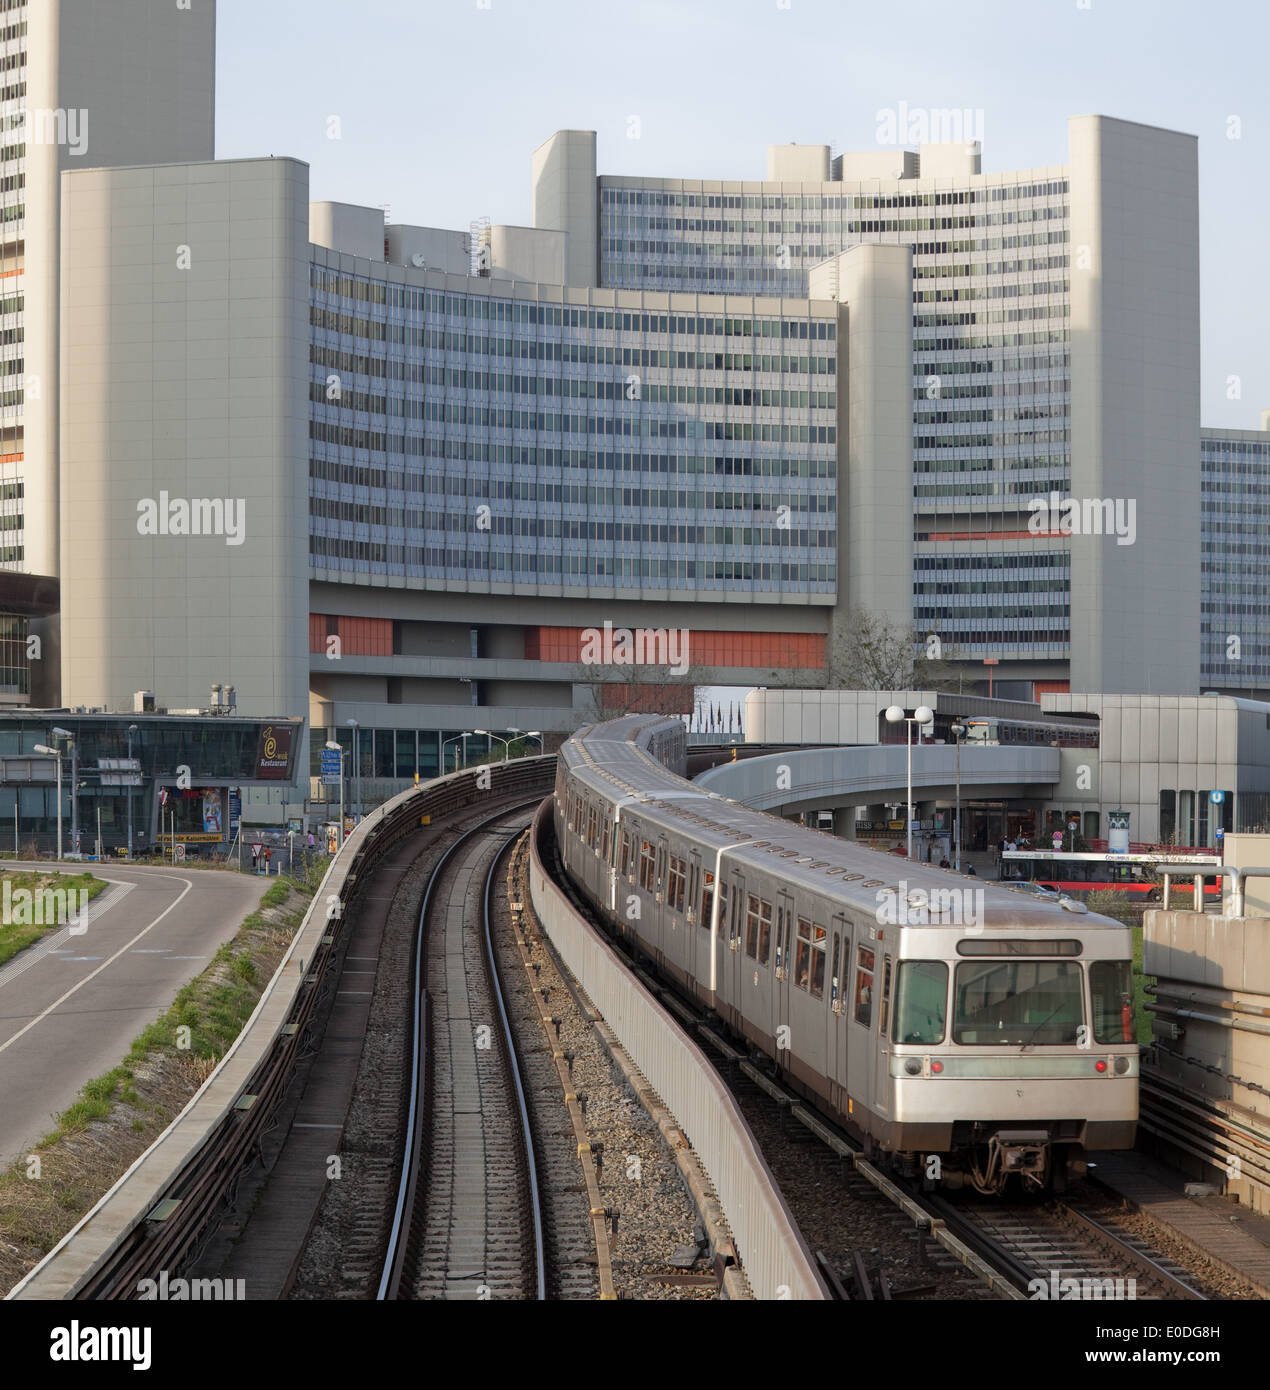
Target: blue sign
<point>1217,797</point>
<point>331,767</point>
<point>1219,832</point>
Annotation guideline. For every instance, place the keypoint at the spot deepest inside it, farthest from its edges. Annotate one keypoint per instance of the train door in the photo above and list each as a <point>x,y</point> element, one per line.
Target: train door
<point>782,1003</point>
<point>732,963</point>
<point>754,992</point>
<point>691,956</point>
<point>862,978</point>
<point>836,1014</point>
<point>882,1048</point>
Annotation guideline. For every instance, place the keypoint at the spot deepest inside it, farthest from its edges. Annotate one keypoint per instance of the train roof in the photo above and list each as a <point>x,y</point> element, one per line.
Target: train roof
<point>613,758</point>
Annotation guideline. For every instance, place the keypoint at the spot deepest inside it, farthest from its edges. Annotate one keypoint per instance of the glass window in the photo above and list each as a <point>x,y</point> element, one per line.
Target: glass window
<point>1017,1002</point>
<point>406,762</point>
<point>1111,987</point>
<point>818,943</point>
<point>864,986</point>
<point>921,1001</point>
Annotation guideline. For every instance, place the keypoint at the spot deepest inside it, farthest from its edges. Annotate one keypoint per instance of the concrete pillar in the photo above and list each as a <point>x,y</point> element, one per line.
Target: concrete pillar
<point>844,822</point>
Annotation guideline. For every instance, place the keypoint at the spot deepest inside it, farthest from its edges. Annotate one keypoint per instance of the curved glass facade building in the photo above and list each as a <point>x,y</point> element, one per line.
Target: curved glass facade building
<point>488,437</point>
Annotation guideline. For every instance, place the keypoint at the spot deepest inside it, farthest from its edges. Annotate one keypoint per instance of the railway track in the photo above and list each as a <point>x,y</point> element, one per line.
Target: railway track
<point>1058,1251</point>
<point>469,1220</point>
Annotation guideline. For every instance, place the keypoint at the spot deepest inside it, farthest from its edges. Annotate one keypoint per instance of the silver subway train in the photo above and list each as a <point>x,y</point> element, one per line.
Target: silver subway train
<point>961,1027</point>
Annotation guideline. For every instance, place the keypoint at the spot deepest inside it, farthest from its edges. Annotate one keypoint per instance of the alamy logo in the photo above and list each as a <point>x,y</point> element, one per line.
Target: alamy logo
<point>902,907</point>
<point>925,125</point>
<point>44,907</point>
<point>76,1343</point>
<point>166,1290</point>
<point>193,516</point>
<point>45,126</point>
<point>641,646</point>
<point>1085,516</point>
<point>1056,1288</point>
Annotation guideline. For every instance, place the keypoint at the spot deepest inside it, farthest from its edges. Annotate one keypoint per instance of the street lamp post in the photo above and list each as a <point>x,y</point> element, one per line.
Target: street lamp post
<point>357,771</point>
<point>132,729</point>
<point>454,739</point>
<point>485,733</point>
<point>338,748</point>
<point>923,714</point>
<point>70,738</point>
<point>55,753</point>
<point>533,733</point>
<point>958,730</point>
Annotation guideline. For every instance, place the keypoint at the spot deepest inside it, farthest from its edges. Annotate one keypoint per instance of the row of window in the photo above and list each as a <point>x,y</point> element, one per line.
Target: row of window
<point>616,195</point>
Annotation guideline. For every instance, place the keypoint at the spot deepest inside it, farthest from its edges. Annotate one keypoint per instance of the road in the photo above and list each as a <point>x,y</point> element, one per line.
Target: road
<point>70,1006</point>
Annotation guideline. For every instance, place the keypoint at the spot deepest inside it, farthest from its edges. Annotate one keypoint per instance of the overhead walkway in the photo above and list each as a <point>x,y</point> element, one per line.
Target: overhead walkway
<point>821,779</point>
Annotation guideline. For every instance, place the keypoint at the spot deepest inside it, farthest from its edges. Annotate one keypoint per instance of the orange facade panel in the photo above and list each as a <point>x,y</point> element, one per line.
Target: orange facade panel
<point>786,651</point>
<point>358,636</point>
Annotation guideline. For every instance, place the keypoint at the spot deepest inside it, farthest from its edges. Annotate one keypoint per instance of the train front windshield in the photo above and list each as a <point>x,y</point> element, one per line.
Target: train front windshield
<point>1010,1002</point>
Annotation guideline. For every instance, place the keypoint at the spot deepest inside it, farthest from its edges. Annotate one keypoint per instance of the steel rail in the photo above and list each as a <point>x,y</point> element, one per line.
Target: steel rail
<point>395,1256</point>
<point>512,1065</point>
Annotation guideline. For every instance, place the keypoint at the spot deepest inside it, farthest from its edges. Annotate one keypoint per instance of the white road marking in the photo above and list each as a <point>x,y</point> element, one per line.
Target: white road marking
<point>105,965</point>
<point>54,943</point>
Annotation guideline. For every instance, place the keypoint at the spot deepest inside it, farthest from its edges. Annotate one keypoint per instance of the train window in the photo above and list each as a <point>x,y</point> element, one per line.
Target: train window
<point>734,935</point>
<point>751,925</point>
<point>886,996</point>
<point>921,1001</point>
<point>605,840</point>
<point>802,960</point>
<point>809,962</point>
<point>783,920</point>
<point>593,826</point>
<point>764,932</point>
<point>1111,986</point>
<point>676,884</point>
<point>819,940</point>
<point>1017,1002</point>
<point>833,979</point>
<point>624,854</point>
<point>864,986</point>
<point>707,899</point>
<point>647,869</point>
<point>1012,946</point>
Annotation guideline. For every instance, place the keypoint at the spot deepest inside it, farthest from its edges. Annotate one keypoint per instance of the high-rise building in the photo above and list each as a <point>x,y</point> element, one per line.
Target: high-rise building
<point>1055,350</point>
<point>413,481</point>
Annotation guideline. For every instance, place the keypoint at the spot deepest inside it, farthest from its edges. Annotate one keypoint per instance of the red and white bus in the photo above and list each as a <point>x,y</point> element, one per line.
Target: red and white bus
<point>1076,874</point>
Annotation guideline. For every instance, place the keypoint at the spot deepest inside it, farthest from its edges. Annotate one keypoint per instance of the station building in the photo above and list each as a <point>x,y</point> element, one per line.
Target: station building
<point>1158,758</point>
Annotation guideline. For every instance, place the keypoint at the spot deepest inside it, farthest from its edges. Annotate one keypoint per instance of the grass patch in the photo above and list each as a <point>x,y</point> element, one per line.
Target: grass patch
<point>18,934</point>
<point>1117,905</point>
<point>117,1116</point>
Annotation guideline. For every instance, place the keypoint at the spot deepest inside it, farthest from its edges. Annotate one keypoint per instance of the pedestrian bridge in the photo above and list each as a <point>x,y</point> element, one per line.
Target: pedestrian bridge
<point>822,779</point>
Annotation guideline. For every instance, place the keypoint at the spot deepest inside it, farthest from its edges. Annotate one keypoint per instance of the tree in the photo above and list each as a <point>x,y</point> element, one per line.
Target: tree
<point>872,651</point>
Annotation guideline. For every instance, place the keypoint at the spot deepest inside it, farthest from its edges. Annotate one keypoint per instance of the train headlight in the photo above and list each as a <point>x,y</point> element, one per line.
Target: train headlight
<point>913,1067</point>
<point>1122,1065</point>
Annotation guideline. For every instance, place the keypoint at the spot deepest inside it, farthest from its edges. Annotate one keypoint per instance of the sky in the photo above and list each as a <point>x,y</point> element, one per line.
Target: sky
<point>440,103</point>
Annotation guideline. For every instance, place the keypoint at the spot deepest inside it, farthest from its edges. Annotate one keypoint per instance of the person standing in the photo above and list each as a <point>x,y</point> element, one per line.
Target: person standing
<point>255,858</point>
<point>268,859</point>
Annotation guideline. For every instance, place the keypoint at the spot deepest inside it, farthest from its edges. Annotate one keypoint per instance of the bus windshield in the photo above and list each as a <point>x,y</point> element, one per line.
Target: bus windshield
<point>1017,1002</point>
